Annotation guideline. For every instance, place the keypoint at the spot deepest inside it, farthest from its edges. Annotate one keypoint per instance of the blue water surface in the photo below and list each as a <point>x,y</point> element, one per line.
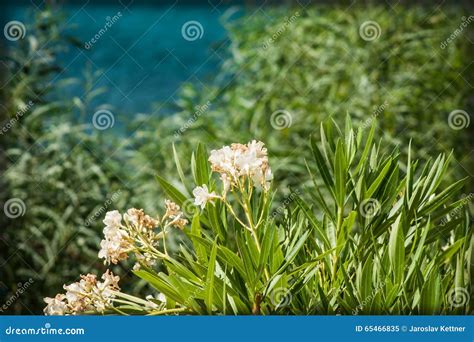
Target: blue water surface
<point>142,55</point>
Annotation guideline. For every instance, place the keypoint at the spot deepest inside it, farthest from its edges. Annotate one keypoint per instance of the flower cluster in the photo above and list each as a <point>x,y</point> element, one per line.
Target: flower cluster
<point>134,233</point>
<point>238,165</point>
<point>88,294</point>
<point>117,243</point>
<point>175,215</point>
<point>242,161</point>
<point>137,233</point>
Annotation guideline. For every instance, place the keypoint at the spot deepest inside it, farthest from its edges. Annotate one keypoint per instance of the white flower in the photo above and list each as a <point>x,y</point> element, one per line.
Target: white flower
<point>202,195</point>
<point>139,219</point>
<point>263,180</point>
<point>113,219</point>
<point>115,246</point>
<point>88,294</point>
<point>222,160</point>
<point>55,306</point>
<point>109,280</point>
<point>258,148</point>
<point>74,292</point>
<point>161,297</point>
<point>248,162</point>
<point>239,160</point>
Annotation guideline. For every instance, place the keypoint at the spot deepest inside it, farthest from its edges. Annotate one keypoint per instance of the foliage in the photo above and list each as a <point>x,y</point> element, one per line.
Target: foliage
<point>314,64</point>
<point>55,167</point>
<point>390,257</point>
<point>317,66</point>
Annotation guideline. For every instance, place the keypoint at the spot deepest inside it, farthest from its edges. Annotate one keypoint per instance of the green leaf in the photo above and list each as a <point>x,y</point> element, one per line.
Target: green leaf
<point>179,169</point>
<point>267,246</point>
<point>209,291</point>
<point>322,166</point>
<point>314,221</point>
<point>201,166</point>
<point>365,284</point>
<point>397,250</point>
<point>340,173</point>
<point>375,185</point>
<point>431,294</point>
<point>171,191</point>
<point>196,231</point>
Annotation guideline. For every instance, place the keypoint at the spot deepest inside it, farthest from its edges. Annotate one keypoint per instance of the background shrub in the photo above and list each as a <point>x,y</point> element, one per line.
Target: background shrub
<point>314,64</point>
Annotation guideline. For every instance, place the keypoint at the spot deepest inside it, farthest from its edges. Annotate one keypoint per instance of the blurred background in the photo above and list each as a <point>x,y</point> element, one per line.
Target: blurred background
<point>94,94</point>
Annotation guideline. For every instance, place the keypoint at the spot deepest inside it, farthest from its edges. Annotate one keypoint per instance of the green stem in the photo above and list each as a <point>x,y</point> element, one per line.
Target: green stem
<point>340,213</point>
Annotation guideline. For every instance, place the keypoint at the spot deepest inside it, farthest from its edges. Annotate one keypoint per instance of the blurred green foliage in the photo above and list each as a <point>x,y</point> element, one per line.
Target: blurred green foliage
<point>314,64</point>
<point>56,166</point>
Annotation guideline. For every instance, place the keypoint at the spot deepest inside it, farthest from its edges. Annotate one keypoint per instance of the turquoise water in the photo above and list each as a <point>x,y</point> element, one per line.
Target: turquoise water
<point>142,55</point>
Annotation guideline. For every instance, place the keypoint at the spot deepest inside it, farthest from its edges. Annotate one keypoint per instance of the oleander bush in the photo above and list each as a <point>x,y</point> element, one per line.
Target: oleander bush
<point>370,242</point>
